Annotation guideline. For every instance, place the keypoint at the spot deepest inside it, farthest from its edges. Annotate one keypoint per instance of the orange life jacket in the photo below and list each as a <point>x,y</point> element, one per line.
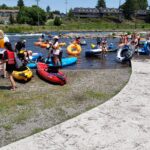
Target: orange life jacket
<point>2,43</point>
<point>11,57</point>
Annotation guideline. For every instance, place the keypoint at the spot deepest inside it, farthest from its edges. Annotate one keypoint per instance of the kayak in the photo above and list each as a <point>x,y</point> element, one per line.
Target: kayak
<point>93,52</point>
<point>22,74</point>
<point>83,42</point>
<point>45,45</point>
<point>52,77</point>
<point>65,61</point>
<point>144,48</point>
<point>35,56</point>
<point>32,65</point>
<point>37,43</point>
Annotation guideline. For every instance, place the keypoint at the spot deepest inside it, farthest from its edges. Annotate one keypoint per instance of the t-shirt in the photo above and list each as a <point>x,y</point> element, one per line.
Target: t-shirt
<point>57,50</point>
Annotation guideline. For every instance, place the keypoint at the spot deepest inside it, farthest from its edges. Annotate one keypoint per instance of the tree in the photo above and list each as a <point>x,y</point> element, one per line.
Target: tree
<point>48,9</point>
<point>29,15</point>
<point>101,4</point>
<point>20,3</point>
<point>70,14</point>
<point>129,8</point>
<point>11,19</point>
<point>142,4</point>
<point>3,6</point>
<point>148,17</point>
<point>57,21</point>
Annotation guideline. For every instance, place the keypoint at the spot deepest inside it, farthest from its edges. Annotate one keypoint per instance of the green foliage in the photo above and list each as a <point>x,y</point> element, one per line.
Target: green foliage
<point>141,4</point>
<point>11,19</point>
<point>57,21</point>
<point>48,9</point>
<point>129,8</point>
<point>148,18</point>
<point>101,3</point>
<point>29,15</point>
<point>3,6</point>
<point>70,14</point>
<point>20,3</point>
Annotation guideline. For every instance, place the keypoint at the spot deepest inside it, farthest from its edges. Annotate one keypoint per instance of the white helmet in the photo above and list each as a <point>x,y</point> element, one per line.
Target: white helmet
<point>56,37</point>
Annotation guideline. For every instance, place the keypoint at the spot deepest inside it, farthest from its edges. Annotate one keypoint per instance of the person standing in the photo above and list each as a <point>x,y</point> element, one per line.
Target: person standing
<point>56,51</point>
<point>3,39</point>
<point>9,59</point>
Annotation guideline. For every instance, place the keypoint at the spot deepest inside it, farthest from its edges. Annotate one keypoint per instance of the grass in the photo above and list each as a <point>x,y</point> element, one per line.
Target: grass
<point>36,130</point>
<point>37,105</point>
<point>22,116</point>
<point>97,95</point>
<point>7,127</point>
<point>107,23</point>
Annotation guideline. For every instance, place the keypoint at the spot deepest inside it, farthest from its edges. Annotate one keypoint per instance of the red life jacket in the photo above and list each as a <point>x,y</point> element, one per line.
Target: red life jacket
<point>11,57</point>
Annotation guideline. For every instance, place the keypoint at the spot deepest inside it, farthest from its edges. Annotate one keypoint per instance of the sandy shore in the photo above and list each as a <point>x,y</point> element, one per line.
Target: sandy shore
<point>38,105</point>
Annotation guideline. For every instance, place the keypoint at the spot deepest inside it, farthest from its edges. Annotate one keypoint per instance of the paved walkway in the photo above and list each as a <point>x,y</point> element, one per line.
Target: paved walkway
<point>123,123</point>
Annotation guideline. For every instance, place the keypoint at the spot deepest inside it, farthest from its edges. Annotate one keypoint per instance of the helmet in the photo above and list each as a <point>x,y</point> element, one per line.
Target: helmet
<point>56,37</point>
<point>24,41</point>
<point>77,37</point>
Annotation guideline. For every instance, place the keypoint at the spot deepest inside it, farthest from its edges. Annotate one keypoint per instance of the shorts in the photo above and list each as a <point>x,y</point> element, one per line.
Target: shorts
<point>10,68</point>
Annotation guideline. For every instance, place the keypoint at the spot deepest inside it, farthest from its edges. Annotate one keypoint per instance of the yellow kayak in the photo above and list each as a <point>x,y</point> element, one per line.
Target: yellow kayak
<point>23,75</point>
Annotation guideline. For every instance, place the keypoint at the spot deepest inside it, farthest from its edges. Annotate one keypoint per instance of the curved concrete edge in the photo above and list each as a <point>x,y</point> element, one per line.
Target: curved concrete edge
<point>122,123</point>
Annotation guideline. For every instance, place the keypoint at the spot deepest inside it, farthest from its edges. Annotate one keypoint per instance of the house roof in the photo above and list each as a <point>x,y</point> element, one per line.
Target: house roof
<point>85,10</point>
<point>9,11</point>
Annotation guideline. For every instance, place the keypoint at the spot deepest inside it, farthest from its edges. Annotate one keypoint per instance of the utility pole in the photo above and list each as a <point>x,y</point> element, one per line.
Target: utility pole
<point>38,11</point>
<point>66,2</point>
<point>120,15</point>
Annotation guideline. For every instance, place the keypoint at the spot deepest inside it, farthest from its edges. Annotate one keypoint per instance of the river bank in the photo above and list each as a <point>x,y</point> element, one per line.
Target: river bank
<point>38,105</point>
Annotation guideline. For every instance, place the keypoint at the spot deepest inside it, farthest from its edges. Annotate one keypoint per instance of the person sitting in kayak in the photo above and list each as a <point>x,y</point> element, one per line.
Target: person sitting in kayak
<point>21,52</point>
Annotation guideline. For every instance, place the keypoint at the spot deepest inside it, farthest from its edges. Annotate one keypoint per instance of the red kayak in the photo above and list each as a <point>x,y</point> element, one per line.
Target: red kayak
<point>51,76</point>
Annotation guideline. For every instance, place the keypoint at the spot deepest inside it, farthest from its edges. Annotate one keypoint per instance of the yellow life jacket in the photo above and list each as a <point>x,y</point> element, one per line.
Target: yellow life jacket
<point>2,43</point>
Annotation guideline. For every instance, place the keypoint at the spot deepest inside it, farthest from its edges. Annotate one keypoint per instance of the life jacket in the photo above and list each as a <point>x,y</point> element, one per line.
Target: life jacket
<point>11,57</point>
<point>2,43</point>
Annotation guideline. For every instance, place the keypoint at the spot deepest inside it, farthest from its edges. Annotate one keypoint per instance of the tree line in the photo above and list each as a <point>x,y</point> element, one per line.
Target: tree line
<point>32,15</point>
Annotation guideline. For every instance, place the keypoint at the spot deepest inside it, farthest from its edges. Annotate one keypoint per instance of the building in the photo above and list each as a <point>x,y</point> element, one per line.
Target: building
<point>5,15</point>
<point>95,13</point>
<point>86,12</point>
<point>110,12</point>
<point>102,12</point>
<point>141,14</point>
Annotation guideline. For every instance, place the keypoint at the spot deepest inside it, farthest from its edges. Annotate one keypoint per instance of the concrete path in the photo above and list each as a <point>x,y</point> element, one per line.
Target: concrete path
<point>123,123</point>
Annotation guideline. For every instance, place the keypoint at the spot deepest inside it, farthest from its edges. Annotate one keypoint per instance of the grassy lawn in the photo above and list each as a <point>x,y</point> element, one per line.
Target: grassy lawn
<point>38,105</point>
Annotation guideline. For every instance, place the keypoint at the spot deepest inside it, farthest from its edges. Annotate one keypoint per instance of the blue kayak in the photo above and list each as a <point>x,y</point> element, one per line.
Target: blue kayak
<point>144,48</point>
<point>32,65</point>
<point>35,56</point>
<point>65,61</point>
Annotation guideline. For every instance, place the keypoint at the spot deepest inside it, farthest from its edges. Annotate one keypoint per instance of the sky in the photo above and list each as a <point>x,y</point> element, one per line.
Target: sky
<point>61,6</point>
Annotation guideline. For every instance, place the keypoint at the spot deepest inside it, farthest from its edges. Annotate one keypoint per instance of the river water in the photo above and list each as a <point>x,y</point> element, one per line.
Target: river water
<point>109,62</point>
